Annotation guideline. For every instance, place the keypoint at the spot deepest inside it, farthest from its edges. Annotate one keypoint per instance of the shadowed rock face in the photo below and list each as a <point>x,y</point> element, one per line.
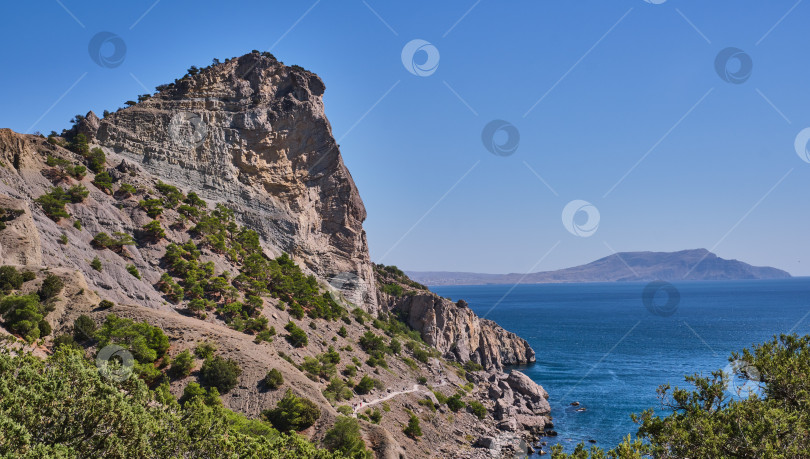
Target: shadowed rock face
<point>460,334</point>
<point>252,133</point>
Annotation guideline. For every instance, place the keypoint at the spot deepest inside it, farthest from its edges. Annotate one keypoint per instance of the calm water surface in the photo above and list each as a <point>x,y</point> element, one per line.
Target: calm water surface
<point>598,345</point>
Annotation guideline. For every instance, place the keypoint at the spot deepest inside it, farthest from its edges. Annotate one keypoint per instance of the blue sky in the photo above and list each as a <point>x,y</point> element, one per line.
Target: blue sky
<point>610,82</point>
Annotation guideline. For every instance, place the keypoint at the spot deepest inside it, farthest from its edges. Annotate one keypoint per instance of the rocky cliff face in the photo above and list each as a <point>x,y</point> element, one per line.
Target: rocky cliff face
<point>251,133</point>
<point>460,334</point>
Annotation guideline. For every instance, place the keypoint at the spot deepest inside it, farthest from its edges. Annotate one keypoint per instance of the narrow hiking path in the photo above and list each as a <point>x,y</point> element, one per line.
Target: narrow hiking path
<point>416,388</point>
<point>387,397</point>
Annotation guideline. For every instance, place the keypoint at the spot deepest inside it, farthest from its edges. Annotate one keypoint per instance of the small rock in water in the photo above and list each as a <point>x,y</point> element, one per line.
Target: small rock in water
<point>574,403</point>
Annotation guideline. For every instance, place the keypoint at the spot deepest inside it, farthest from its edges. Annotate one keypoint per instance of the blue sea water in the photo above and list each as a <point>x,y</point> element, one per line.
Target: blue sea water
<point>597,344</point>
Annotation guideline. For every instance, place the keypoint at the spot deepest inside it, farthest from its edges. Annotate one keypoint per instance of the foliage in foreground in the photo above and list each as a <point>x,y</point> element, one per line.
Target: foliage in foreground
<point>769,417</point>
<point>62,407</point>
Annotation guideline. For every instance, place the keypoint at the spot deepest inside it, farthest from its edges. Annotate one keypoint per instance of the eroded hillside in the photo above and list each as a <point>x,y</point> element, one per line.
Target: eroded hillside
<point>180,211</point>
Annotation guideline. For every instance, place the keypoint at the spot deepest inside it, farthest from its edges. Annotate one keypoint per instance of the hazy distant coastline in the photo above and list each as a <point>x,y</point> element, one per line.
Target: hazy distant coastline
<point>696,264</point>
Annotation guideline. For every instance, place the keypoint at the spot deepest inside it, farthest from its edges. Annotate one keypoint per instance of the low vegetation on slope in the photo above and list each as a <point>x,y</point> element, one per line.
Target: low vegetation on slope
<point>62,407</point>
<point>761,410</point>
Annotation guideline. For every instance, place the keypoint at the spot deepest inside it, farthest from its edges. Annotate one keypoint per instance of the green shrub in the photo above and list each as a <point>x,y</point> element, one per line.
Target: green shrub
<point>96,264</point>
<point>477,408</point>
<point>293,413</point>
<point>273,379</point>
<point>78,224</point>
<point>413,429</point>
<point>84,328</point>
<point>344,437</point>
<point>105,304</point>
<point>367,384</point>
<point>209,397</point>
<point>193,200</point>
<point>395,346</point>
<point>96,160</point>
<point>103,181</point>
<point>345,410</point>
<point>454,403</point>
<point>472,366</point>
<point>126,190</point>
<point>123,420</point>
<point>51,287</point>
<point>146,342</point>
<point>171,195</point>
<point>182,364</point>
<point>153,207</point>
<point>79,145</point>
<point>28,276</point>
<point>78,171</point>
<point>53,203</point>
<point>154,230</point>
<point>205,350</point>
<point>116,242</point>
<point>63,239</point>
<point>375,415</point>
<point>133,270</point>
<point>297,337</point>
<point>337,390</point>
<point>343,332</point>
<point>421,380</point>
<point>428,403</point>
<point>392,289</point>
<point>10,279</point>
<point>220,373</point>
<point>23,315</point>
<point>77,193</point>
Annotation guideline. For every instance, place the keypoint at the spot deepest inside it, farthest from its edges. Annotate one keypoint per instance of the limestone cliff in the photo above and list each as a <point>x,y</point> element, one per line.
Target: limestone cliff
<point>452,328</point>
<point>252,133</point>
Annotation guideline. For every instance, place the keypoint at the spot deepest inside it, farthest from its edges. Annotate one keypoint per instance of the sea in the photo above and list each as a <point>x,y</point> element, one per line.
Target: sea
<point>609,346</point>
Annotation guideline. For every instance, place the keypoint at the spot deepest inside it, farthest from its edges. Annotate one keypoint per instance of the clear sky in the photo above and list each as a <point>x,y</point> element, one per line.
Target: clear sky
<point>616,103</point>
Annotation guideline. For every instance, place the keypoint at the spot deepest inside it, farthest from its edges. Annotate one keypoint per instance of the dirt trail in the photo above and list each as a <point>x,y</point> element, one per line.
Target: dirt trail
<point>387,397</point>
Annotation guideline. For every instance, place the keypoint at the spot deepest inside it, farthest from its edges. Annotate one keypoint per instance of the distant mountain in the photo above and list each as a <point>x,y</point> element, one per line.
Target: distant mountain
<point>697,264</point>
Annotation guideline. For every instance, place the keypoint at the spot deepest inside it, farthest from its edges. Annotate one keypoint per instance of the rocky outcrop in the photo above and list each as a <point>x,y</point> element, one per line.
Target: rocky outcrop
<point>520,403</point>
<point>252,133</point>
<point>460,334</point>
<point>19,240</point>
